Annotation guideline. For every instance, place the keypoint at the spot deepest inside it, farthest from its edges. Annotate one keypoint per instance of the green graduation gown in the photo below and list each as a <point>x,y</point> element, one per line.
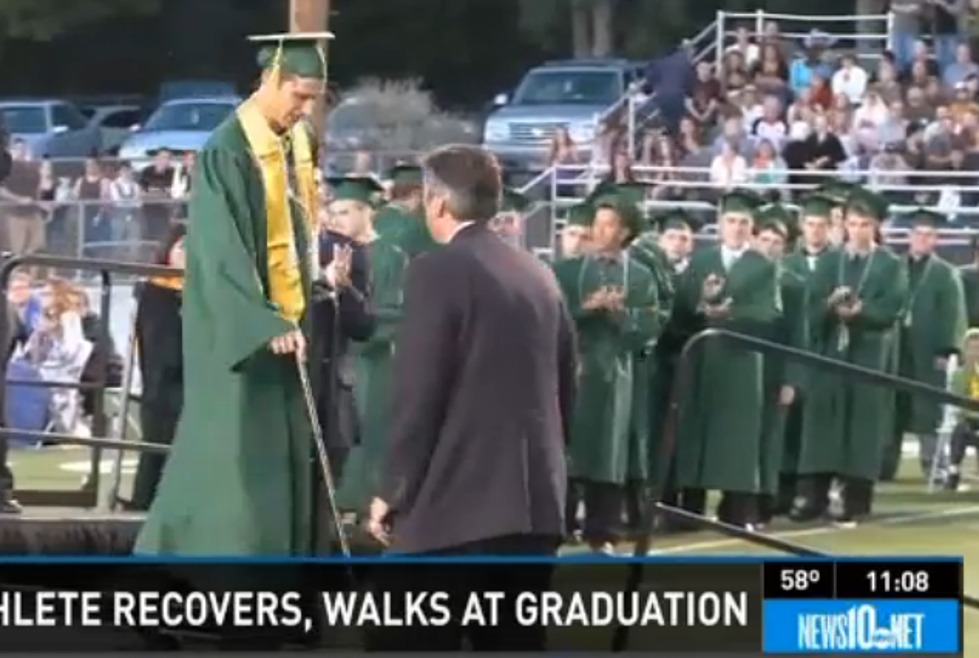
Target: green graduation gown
<point>970,286</point>
<point>388,264</point>
<point>780,450</point>
<point>932,327</point>
<point>721,427</point>
<point>846,422</point>
<point>239,479</point>
<point>608,431</point>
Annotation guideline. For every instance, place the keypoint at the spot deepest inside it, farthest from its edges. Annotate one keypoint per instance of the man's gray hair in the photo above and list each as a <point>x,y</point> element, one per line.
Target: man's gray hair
<point>467,177</point>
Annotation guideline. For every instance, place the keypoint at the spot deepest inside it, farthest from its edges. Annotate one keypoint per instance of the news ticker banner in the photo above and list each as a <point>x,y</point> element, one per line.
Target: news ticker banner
<point>707,606</point>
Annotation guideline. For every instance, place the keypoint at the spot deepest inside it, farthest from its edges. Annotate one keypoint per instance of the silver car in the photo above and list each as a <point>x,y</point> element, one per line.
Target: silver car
<point>178,126</point>
<point>51,128</point>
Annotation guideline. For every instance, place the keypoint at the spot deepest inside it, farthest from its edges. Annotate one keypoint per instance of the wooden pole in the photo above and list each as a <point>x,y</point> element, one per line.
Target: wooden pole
<point>311,16</point>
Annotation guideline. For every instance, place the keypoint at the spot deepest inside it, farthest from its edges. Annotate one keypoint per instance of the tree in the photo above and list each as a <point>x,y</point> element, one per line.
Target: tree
<point>42,20</point>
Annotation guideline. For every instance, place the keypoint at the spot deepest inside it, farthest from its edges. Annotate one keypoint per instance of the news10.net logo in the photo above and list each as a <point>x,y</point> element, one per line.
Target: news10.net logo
<point>861,629</point>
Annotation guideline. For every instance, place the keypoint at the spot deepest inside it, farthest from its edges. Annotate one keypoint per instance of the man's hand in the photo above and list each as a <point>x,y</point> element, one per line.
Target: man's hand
<point>719,311</point>
<point>338,271</point>
<point>615,299</point>
<point>786,396</point>
<point>713,285</point>
<point>377,521</point>
<point>292,343</point>
<point>849,311</point>
<point>596,300</point>
<point>838,296</point>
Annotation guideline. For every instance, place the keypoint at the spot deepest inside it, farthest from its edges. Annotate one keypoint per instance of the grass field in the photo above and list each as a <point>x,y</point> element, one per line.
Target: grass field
<point>908,520</point>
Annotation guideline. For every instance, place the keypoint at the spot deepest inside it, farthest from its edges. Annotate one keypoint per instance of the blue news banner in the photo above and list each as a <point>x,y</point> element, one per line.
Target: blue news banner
<point>862,606</point>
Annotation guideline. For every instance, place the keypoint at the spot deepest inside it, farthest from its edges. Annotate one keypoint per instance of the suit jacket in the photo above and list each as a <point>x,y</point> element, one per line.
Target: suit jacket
<point>483,392</point>
<point>336,321</point>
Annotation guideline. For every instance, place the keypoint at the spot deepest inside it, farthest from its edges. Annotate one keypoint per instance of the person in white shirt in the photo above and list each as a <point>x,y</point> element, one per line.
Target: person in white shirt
<point>728,169</point>
<point>874,112</point>
<point>771,127</point>
<point>850,80</point>
<point>750,51</point>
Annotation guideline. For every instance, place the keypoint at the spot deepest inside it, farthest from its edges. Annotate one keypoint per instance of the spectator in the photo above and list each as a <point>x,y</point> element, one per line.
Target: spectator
<point>729,169</point>
<point>945,29</point>
<point>914,150</point>
<point>733,132</point>
<point>704,101</point>
<point>874,112</point>
<point>25,224</point>
<point>127,201</point>
<point>91,191</point>
<point>562,150</point>
<point>659,152</point>
<point>801,108</point>
<point>887,82</point>
<point>363,165</point>
<point>921,56</point>
<point>672,79</point>
<point>772,64</point>
<point>939,139</point>
<point>735,73</point>
<point>800,127</point>
<point>918,74</point>
<point>621,171</point>
<point>850,80</point>
<point>822,95</point>
<point>751,109</point>
<point>767,167</point>
<point>907,28</point>
<point>803,70</point>
<point>156,181</point>
<point>895,128</point>
<point>689,141</point>
<point>917,107</point>
<point>889,160</point>
<point>935,92</point>
<point>963,66</point>
<point>25,303</point>
<point>842,125</point>
<point>962,104</point>
<point>771,126</point>
<point>182,176</point>
<point>822,150</point>
<point>743,45</point>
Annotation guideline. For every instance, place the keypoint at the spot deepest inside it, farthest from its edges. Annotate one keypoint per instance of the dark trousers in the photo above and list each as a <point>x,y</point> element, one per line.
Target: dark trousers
<point>966,434</point>
<point>159,425</point>
<point>6,475</point>
<point>603,511</point>
<point>736,507</point>
<point>459,582</point>
<point>572,502</point>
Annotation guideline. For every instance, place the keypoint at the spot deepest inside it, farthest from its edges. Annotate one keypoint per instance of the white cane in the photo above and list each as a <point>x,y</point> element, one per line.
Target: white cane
<point>322,455</point>
<point>949,419</point>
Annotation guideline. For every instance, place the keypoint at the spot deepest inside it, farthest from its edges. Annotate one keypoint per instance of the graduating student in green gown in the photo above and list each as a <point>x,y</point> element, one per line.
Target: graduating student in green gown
<point>856,296</point>
<point>970,283</point>
<point>353,208</point>
<point>241,477</point>
<point>614,304</point>
<point>731,287</point>
<point>575,242</point>
<point>932,329</point>
<point>776,234</point>
<point>815,223</point>
<point>838,193</point>
<point>404,201</point>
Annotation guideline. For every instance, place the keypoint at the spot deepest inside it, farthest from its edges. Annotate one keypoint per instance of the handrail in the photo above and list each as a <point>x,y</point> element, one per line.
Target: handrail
<point>854,173</point>
<point>806,18</point>
<point>682,383</point>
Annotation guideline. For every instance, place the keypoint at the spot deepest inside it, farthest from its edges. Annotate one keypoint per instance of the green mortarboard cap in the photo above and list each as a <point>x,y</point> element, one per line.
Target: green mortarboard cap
<point>631,192</point>
<point>780,218</point>
<point>405,174</point>
<point>581,215</point>
<point>676,218</point>
<point>837,191</point>
<point>867,202</point>
<point>742,201</point>
<point>362,188</point>
<point>513,201</point>
<point>297,53</point>
<point>924,217</point>
<point>818,205</point>
<point>628,212</point>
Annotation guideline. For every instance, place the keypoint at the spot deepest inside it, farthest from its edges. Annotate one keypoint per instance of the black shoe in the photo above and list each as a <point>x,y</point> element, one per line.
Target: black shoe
<point>10,506</point>
<point>805,514</point>
<point>952,482</point>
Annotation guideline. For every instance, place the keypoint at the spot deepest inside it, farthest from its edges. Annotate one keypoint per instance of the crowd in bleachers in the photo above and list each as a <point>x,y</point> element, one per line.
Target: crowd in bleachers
<point>783,114</point>
<point>103,209</point>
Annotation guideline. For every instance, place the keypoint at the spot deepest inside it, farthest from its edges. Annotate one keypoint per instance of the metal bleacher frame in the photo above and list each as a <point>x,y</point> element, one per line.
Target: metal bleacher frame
<point>87,496</point>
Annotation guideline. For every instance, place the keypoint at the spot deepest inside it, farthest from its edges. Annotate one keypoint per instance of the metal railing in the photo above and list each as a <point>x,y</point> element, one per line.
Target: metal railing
<point>87,495</point>
<point>682,383</point>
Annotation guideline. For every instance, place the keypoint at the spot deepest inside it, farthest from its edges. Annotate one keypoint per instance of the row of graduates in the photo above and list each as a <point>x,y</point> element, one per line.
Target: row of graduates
<point>772,435</point>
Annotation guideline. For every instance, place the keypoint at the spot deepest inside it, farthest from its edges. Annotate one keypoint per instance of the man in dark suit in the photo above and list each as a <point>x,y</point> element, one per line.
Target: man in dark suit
<point>484,382</point>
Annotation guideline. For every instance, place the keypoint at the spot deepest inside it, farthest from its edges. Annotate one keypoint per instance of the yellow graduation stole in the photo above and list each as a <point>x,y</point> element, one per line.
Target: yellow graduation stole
<point>285,278</point>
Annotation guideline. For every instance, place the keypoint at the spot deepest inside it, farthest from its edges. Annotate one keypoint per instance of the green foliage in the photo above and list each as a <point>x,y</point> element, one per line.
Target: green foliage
<point>42,20</point>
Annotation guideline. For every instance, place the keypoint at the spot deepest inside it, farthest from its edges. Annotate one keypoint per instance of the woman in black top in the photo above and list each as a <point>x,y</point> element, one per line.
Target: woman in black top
<point>160,346</point>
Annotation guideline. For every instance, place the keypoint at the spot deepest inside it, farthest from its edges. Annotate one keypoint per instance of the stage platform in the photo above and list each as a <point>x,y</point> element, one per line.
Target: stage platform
<point>63,531</point>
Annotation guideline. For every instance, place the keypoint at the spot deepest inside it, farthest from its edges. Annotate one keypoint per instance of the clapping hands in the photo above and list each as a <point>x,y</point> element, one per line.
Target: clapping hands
<point>337,273</point>
<point>607,298</point>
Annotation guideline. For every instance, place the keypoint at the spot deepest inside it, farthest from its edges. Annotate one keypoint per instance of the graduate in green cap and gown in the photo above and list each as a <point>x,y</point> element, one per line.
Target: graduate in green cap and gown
<point>241,477</point>
<point>856,297</point>
<point>613,301</point>
<point>775,235</point>
<point>398,219</point>
<point>719,443</point>
<point>353,207</point>
<point>970,283</point>
<point>932,328</point>
<point>837,192</point>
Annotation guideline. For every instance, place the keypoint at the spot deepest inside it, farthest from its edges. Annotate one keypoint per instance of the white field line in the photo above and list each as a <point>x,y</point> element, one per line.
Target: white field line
<point>810,532</point>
